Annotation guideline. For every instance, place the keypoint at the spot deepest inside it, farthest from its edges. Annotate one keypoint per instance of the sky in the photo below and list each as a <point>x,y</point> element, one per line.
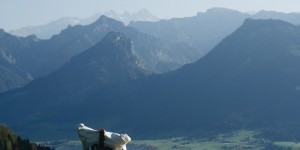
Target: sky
<point>15,14</point>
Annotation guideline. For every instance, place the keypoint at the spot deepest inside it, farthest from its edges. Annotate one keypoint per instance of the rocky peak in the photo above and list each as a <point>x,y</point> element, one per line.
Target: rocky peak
<point>2,33</point>
<point>268,27</point>
<point>119,39</point>
<point>110,61</point>
<point>32,38</point>
<point>217,10</point>
<point>106,20</point>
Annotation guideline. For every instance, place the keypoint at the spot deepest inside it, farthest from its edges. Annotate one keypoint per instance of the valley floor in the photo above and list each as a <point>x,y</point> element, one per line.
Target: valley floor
<point>238,140</point>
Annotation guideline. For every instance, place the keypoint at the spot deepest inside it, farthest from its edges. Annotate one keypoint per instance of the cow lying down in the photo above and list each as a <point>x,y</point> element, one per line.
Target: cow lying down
<point>90,137</point>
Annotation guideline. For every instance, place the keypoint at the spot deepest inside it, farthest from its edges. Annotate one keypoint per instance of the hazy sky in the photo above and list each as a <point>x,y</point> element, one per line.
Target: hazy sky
<point>18,13</point>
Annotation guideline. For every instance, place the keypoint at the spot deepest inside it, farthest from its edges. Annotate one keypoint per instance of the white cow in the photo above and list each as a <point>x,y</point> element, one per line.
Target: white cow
<point>89,137</point>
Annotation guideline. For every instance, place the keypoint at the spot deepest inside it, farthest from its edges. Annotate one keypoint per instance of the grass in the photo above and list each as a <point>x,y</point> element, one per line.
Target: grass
<point>292,145</point>
<point>236,140</point>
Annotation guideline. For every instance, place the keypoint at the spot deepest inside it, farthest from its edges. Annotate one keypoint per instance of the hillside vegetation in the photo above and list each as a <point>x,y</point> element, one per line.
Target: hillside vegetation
<point>10,141</point>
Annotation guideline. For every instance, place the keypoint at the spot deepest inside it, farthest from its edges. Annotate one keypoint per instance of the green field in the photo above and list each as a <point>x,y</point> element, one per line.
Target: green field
<point>238,140</point>
<point>291,145</point>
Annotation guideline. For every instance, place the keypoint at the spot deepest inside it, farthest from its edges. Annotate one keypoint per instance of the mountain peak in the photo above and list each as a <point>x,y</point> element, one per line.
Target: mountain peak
<point>104,19</point>
<point>32,37</point>
<point>113,59</point>
<point>267,24</point>
<point>144,11</point>
<point>2,32</point>
<point>272,13</point>
<point>221,10</point>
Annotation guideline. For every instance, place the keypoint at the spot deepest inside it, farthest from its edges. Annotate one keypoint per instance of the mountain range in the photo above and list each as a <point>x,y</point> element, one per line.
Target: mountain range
<point>144,21</point>
<point>205,30</point>
<point>173,43</point>
<point>46,31</point>
<point>38,58</point>
<point>249,80</point>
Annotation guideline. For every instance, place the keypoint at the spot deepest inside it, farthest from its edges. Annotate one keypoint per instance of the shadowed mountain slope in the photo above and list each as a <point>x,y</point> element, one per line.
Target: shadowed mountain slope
<point>110,64</point>
<point>12,50</point>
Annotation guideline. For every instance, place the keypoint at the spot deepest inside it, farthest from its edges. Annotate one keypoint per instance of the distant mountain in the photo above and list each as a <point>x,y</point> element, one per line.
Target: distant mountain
<point>157,56</point>
<point>48,30</point>
<point>28,58</point>
<point>288,17</point>
<point>12,49</point>
<point>111,61</point>
<point>53,53</point>
<point>205,30</point>
<point>126,17</point>
<point>250,80</point>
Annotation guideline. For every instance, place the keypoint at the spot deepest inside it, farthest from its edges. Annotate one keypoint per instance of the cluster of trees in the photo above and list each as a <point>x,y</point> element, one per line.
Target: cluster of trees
<point>10,141</point>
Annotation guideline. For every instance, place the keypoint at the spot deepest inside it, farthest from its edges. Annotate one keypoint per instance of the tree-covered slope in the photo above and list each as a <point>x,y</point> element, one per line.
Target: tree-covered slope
<point>10,141</point>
